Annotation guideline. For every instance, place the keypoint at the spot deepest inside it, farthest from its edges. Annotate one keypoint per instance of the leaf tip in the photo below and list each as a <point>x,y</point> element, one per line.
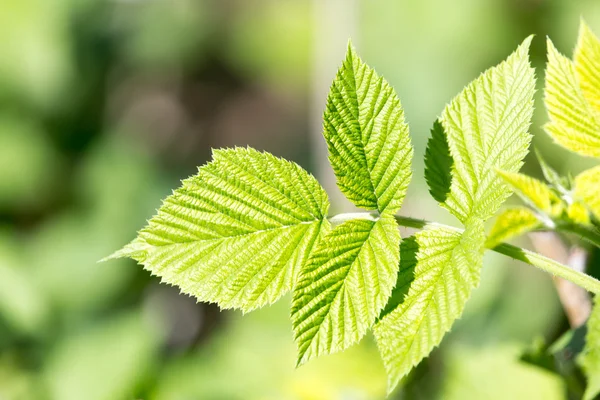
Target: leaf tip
<point>135,250</point>
<point>552,51</point>
<point>351,53</point>
<point>527,42</point>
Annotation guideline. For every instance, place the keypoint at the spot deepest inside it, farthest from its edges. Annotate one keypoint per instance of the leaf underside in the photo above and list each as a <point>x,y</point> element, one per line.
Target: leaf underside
<point>236,233</point>
<point>344,286</point>
<point>368,141</point>
<point>438,163</point>
<point>438,270</point>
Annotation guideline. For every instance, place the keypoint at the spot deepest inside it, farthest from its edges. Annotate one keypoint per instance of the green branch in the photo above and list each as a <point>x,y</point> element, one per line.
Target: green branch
<point>589,234</point>
<point>532,258</point>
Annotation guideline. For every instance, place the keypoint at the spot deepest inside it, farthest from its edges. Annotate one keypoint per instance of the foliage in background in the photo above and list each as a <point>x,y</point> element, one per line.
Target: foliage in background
<point>249,226</point>
<point>107,104</point>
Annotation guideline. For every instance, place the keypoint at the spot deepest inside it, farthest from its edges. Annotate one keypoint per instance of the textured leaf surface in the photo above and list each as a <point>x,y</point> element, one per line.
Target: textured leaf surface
<point>533,191</point>
<point>587,65</point>
<point>587,189</point>
<point>511,223</point>
<point>439,268</point>
<point>345,285</point>
<point>237,232</point>
<point>590,358</point>
<point>369,146</point>
<point>438,163</point>
<point>486,126</point>
<point>573,121</point>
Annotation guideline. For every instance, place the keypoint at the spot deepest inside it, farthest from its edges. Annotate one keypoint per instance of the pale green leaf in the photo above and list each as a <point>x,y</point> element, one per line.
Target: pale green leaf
<point>578,212</point>
<point>369,146</point>
<point>590,358</point>
<point>586,189</point>
<point>487,128</point>
<point>534,192</point>
<point>550,173</point>
<point>438,163</point>
<point>573,122</point>
<point>346,283</point>
<point>511,223</point>
<point>238,232</point>
<point>439,268</point>
<point>587,65</point>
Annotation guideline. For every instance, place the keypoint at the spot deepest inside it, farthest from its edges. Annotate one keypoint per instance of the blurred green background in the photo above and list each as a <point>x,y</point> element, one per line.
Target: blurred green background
<point>106,105</point>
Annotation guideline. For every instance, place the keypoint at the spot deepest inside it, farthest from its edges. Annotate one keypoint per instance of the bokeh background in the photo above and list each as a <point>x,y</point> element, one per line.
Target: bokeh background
<point>106,105</point>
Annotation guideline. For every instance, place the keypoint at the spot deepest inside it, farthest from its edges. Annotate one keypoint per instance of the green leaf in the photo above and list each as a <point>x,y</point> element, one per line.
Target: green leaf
<point>586,189</point>
<point>578,212</point>
<point>511,223</point>
<point>534,192</point>
<point>369,146</point>
<point>346,283</point>
<point>590,358</point>
<point>550,174</point>
<point>236,233</point>
<point>486,127</point>
<point>587,65</point>
<point>439,268</point>
<point>573,122</point>
<point>438,163</point>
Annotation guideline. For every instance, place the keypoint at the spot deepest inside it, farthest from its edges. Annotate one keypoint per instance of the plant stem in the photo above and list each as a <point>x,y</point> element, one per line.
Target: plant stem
<point>590,234</point>
<point>549,265</point>
<point>537,260</point>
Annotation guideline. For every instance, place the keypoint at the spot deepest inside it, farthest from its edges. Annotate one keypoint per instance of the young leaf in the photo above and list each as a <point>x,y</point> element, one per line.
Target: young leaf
<point>550,174</point>
<point>578,212</point>
<point>590,358</point>
<point>438,270</point>
<point>486,127</point>
<point>573,122</point>
<point>534,192</point>
<point>344,286</point>
<point>587,65</point>
<point>438,163</point>
<point>369,146</point>
<point>236,233</point>
<point>586,188</point>
<point>511,223</point>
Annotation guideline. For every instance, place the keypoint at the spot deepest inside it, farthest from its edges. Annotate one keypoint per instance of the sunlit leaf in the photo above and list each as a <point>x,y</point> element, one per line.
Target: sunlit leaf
<point>586,188</point>
<point>439,269</point>
<point>369,146</point>
<point>573,121</point>
<point>344,286</point>
<point>511,223</point>
<point>587,65</point>
<point>534,192</point>
<point>487,128</point>
<point>236,233</point>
